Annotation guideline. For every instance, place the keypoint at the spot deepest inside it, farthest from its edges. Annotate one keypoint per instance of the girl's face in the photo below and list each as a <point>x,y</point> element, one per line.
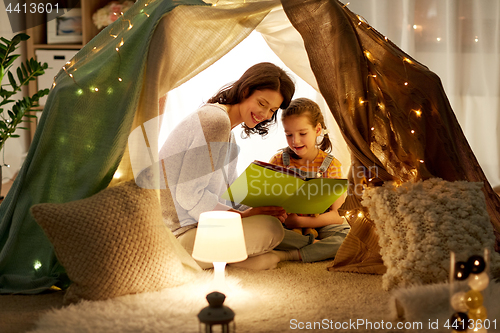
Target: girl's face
<point>260,106</point>
<point>301,136</point>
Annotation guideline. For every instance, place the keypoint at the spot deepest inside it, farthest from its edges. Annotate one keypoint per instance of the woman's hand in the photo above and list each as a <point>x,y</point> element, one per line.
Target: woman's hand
<point>275,211</point>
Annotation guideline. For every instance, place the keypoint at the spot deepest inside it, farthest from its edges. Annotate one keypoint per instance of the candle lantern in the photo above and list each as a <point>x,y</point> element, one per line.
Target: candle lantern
<point>216,313</point>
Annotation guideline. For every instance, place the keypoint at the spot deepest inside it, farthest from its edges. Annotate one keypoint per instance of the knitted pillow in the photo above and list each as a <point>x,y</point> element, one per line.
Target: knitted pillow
<point>114,243</point>
<point>420,223</point>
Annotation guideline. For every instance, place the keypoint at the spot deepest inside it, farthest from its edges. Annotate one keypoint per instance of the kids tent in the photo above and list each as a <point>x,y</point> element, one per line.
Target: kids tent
<point>104,103</point>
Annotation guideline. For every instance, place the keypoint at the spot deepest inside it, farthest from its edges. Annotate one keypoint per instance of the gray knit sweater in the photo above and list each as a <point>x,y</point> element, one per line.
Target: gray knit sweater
<point>195,155</point>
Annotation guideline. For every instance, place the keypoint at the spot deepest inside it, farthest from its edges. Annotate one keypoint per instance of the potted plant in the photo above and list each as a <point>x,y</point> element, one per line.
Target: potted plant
<point>26,72</point>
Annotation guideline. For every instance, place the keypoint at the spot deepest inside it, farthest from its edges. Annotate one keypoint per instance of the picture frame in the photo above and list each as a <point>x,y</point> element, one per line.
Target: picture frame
<point>65,29</point>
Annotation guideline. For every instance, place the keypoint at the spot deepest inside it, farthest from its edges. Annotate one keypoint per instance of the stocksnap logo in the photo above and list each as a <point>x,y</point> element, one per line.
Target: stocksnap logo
<point>23,15</point>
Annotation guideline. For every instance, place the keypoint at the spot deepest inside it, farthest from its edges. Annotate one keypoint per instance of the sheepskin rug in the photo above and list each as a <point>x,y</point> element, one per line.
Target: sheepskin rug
<point>293,296</point>
<point>420,223</point>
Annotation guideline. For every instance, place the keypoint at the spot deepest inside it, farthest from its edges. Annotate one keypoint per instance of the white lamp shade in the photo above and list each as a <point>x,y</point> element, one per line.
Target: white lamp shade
<point>219,238</point>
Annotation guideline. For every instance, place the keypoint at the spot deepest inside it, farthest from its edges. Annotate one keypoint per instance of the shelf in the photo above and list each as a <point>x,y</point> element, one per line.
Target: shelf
<point>57,46</point>
<point>38,40</point>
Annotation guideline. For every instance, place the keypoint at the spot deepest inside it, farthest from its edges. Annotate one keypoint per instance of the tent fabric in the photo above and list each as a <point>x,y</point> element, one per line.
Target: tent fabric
<point>109,89</point>
<point>102,117</point>
<point>392,111</point>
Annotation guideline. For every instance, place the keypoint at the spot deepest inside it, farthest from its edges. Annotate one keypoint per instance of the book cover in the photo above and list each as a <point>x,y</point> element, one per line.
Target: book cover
<point>265,184</point>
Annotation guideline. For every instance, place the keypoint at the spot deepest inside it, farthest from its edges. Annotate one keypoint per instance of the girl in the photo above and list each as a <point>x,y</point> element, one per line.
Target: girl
<point>307,153</point>
<point>199,159</point>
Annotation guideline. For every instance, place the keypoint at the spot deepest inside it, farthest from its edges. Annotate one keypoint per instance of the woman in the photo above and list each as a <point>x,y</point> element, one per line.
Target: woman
<point>200,157</point>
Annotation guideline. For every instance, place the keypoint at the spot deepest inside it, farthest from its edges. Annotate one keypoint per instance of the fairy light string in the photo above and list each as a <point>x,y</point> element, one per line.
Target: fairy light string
<point>122,25</point>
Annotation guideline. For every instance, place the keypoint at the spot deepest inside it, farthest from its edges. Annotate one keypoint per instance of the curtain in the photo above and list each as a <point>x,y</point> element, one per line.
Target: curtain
<point>459,40</point>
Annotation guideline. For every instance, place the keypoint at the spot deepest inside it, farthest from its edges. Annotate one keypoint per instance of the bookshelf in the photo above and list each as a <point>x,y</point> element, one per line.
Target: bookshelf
<point>38,41</point>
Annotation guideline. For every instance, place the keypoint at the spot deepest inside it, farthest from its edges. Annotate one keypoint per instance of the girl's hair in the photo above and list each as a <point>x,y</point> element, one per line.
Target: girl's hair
<point>310,109</point>
<point>261,76</point>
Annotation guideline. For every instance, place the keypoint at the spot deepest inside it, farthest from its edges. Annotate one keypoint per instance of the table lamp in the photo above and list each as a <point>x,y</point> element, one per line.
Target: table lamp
<point>219,240</point>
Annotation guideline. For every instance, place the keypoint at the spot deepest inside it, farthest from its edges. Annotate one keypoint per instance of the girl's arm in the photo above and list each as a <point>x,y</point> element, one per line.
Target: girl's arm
<point>331,217</point>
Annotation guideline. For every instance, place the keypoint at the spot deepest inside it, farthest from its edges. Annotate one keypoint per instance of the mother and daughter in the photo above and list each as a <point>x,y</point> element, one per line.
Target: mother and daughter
<point>200,158</point>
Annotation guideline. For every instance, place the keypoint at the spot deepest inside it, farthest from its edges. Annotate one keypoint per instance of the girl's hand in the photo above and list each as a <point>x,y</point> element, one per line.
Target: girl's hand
<point>293,221</point>
<point>275,211</point>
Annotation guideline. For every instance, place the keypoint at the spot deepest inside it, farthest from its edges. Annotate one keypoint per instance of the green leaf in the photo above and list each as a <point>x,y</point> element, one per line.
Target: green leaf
<point>6,101</point>
<point>6,41</point>
<point>28,65</point>
<point>20,75</point>
<point>19,38</point>
<point>14,136</point>
<point>12,80</point>
<point>25,72</point>
<point>11,59</point>
<point>11,113</point>
<point>2,72</point>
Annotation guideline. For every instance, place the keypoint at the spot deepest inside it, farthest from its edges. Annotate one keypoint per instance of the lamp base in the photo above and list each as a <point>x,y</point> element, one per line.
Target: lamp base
<point>219,282</point>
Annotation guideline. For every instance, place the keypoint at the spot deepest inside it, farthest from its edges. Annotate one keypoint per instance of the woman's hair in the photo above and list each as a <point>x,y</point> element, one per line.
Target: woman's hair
<point>310,109</point>
<point>261,76</point>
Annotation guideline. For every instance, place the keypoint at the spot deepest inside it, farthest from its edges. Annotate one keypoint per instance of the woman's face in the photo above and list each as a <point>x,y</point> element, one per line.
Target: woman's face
<point>260,106</point>
<point>301,136</point>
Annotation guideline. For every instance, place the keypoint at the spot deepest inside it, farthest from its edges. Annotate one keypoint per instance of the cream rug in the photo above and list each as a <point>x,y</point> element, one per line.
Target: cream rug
<point>285,299</point>
<point>293,297</point>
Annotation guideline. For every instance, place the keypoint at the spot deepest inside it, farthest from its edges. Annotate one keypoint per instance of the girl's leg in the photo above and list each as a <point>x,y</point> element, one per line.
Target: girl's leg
<point>288,249</point>
<point>331,237</point>
<point>294,241</point>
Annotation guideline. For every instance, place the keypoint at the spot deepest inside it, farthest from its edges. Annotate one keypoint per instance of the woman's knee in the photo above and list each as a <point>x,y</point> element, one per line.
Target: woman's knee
<point>262,233</point>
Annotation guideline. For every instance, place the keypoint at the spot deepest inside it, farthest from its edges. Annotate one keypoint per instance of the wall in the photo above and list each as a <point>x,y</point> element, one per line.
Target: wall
<point>15,148</point>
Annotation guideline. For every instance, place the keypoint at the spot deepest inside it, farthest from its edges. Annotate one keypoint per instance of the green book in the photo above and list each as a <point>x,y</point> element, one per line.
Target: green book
<point>265,184</point>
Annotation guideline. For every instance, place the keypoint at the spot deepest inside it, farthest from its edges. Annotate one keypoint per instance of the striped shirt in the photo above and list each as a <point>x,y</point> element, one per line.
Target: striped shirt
<point>333,171</point>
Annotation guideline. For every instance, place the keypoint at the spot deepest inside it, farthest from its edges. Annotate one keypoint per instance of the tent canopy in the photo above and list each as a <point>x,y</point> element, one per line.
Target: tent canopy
<point>377,94</point>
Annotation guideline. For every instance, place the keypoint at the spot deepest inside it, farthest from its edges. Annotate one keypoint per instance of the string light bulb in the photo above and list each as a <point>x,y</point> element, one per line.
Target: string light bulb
<point>418,113</point>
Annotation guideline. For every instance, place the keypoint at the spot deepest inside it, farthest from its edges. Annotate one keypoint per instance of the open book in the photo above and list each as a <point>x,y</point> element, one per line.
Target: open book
<point>264,184</point>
